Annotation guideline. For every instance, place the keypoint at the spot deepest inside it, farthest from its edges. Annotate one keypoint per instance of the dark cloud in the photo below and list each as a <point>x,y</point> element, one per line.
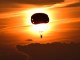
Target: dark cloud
<point>74,5</point>
<point>11,5</point>
<point>52,51</point>
<point>32,1</point>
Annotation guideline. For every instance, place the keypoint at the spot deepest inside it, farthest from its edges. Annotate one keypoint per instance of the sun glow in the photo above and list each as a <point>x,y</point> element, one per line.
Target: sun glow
<point>30,12</point>
<point>35,29</point>
<point>40,27</point>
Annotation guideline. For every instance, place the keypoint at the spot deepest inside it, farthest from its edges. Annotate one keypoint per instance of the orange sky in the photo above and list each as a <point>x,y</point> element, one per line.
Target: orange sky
<point>65,24</point>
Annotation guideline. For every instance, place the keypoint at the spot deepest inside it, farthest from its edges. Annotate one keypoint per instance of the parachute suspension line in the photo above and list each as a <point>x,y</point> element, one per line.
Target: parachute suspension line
<point>41,32</point>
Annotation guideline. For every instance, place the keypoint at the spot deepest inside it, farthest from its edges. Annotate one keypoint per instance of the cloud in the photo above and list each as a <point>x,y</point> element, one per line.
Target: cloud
<point>74,5</point>
<point>71,0</point>
<point>16,5</point>
<point>32,1</point>
<point>51,51</point>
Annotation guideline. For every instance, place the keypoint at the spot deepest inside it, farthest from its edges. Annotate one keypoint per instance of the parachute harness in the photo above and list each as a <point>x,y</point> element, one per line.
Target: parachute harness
<point>41,32</point>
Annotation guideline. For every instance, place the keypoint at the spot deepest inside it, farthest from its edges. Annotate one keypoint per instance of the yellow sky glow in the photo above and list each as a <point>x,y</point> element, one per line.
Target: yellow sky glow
<point>35,29</point>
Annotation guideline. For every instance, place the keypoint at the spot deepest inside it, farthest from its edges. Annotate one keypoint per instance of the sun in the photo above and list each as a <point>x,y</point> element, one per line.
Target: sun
<point>38,28</point>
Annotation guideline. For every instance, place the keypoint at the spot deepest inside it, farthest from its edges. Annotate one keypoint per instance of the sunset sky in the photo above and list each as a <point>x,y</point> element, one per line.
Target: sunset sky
<point>64,23</point>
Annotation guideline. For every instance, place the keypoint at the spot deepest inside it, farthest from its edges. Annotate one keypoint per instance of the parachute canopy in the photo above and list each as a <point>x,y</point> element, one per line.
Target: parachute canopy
<point>39,18</point>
